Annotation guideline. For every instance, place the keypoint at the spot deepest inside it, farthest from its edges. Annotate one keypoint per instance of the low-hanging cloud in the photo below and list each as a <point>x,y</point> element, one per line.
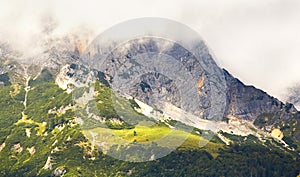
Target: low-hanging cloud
<point>257,41</point>
<point>293,95</point>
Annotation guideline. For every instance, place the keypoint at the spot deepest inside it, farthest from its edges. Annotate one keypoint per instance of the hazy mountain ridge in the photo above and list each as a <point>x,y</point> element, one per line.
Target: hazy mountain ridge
<point>62,137</point>
<point>248,102</point>
<point>245,102</point>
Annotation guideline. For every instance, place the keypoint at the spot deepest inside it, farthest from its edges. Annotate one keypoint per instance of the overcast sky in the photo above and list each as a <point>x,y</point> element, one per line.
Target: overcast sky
<point>258,41</point>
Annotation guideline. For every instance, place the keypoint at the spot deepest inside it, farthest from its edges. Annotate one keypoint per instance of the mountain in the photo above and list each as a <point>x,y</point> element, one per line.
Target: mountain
<point>248,102</point>
<point>265,111</point>
<point>64,116</point>
<point>136,70</point>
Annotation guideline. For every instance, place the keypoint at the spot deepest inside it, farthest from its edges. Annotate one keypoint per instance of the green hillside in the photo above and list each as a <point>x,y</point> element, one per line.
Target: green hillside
<point>42,139</point>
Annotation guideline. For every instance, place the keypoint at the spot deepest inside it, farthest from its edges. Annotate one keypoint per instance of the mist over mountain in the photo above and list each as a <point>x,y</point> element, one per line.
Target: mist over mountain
<point>293,95</point>
<point>41,94</point>
<point>149,96</point>
<point>244,102</point>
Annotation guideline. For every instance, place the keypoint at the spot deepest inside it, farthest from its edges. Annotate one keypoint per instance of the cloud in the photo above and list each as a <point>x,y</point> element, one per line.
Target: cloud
<point>256,40</point>
<point>293,95</point>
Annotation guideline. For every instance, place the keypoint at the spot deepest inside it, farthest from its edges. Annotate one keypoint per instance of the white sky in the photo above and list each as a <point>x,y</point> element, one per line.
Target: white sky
<point>258,41</point>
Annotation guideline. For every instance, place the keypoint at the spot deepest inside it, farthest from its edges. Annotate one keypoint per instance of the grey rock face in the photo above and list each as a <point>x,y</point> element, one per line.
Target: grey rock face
<point>157,71</point>
<point>248,102</point>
